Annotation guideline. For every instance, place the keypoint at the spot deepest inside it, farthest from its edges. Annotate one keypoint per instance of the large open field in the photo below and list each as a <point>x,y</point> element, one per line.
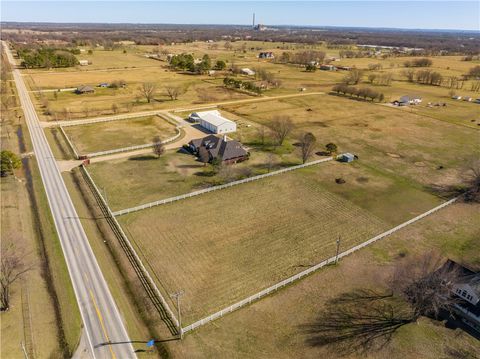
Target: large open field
<point>395,139</point>
<point>219,248</point>
<point>110,135</point>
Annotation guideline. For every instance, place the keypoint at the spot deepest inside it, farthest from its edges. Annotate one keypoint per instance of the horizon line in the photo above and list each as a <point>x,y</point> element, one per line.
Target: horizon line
<point>242,25</point>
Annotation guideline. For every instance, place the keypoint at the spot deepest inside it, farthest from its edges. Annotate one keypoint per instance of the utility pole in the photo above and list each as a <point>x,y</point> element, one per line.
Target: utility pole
<point>338,249</point>
<point>177,296</point>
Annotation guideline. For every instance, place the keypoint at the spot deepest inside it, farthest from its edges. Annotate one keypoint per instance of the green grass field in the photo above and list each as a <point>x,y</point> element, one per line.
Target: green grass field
<point>116,134</point>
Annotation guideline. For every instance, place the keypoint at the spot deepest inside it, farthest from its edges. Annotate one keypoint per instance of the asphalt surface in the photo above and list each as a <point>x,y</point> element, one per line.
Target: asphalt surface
<point>101,318</point>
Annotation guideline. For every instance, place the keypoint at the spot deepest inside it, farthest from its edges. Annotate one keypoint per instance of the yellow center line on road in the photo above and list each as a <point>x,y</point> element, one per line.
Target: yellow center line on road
<point>99,315</point>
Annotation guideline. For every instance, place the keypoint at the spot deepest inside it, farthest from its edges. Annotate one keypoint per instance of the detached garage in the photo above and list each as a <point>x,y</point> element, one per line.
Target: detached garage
<point>214,121</point>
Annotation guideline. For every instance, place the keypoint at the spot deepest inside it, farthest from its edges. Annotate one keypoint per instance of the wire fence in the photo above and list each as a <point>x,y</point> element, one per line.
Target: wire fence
<point>308,271</point>
<point>216,188</point>
<point>132,250</point>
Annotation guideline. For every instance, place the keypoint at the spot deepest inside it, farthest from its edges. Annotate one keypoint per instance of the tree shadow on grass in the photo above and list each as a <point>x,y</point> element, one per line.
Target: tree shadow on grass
<point>357,322</point>
<point>143,158</point>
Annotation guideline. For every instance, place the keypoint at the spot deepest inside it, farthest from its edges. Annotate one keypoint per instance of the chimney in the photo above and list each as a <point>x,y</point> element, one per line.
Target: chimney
<point>224,138</point>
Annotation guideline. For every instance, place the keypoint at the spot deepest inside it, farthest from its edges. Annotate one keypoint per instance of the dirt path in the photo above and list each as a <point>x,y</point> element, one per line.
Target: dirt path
<point>173,110</point>
<point>190,133</point>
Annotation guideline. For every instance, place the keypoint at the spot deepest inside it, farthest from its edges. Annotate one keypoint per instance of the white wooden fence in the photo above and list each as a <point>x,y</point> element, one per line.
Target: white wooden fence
<point>308,271</point>
<point>72,147</point>
<point>216,188</point>
<point>133,148</point>
<point>132,249</point>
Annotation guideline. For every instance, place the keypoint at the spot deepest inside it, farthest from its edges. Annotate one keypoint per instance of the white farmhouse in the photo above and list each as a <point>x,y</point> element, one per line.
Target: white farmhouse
<point>214,121</point>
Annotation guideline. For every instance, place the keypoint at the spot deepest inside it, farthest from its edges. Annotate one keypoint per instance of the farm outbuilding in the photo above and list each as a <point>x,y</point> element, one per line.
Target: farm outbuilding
<point>213,121</point>
<point>84,89</point>
<point>346,157</point>
<point>247,71</point>
<point>83,62</point>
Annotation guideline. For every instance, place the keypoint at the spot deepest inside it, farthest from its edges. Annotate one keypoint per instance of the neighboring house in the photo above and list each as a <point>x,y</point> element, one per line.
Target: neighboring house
<point>226,151</point>
<point>213,121</point>
<point>83,62</point>
<point>346,157</point>
<point>467,289</point>
<point>327,67</point>
<point>247,71</point>
<point>346,68</point>
<point>266,55</point>
<point>407,100</point>
<point>103,84</point>
<point>84,89</point>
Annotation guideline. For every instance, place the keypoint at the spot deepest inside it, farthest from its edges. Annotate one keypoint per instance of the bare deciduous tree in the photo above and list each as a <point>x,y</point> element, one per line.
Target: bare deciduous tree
<point>158,147</point>
<point>472,180</point>
<point>307,145</point>
<point>174,91</point>
<point>262,131</point>
<point>203,155</point>
<point>281,127</point>
<point>12,268</point>
<point>425,285</point>
<point>148,90</point>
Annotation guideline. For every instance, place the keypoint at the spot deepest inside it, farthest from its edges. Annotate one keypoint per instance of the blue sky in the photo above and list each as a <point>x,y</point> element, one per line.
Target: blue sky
<point>463,15</point>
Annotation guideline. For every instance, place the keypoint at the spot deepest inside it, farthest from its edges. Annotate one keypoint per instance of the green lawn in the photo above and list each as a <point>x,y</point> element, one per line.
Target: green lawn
<point>117,134</point>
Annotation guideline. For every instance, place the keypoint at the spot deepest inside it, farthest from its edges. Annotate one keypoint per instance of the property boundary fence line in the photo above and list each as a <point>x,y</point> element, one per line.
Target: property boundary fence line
<point>138,261</point>
<point>308,271</point>
<point>111,118</point>
<point>216,188</point>
<point>133,148</point>
<point>72,147</point>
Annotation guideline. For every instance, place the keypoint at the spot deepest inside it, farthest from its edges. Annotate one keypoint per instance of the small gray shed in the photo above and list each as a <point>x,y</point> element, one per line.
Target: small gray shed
<point>346,157</point>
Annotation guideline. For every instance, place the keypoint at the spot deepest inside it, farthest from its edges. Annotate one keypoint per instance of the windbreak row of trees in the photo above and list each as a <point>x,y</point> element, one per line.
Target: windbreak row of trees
<point>47,58</point>
<point>302,58</point>
<point>362,92</point>
<point>423,62</point>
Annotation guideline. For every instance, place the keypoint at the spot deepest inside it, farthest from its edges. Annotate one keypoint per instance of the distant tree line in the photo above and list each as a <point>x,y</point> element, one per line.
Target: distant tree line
<point>46,57</point>
<point>108,36</point>
<point>302,58</point>
<point>362,92</point>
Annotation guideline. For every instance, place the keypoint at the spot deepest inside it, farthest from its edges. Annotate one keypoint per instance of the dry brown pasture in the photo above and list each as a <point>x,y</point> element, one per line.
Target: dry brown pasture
<point>220,248</point>
<point>271,328</point>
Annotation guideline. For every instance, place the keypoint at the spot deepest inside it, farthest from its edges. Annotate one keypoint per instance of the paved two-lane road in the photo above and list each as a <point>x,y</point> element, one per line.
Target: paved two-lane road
<point>101,318</point>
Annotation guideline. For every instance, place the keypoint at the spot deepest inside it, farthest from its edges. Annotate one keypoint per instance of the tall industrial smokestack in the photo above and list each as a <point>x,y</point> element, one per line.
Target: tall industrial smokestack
<point>253,23</point>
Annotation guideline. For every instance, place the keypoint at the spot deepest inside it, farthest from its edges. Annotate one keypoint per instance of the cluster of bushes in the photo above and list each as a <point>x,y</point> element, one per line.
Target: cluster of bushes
<point>382,79</point>
<point>373,67</point>
<point>117,84</point>
<point>47,58</point>
<point>242,85</point>
<point>423,62</point>
<point>362,92</point>
<point>187,62</point>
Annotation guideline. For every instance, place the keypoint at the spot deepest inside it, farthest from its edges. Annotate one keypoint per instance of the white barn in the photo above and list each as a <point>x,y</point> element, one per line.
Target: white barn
<point>214,121</point>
